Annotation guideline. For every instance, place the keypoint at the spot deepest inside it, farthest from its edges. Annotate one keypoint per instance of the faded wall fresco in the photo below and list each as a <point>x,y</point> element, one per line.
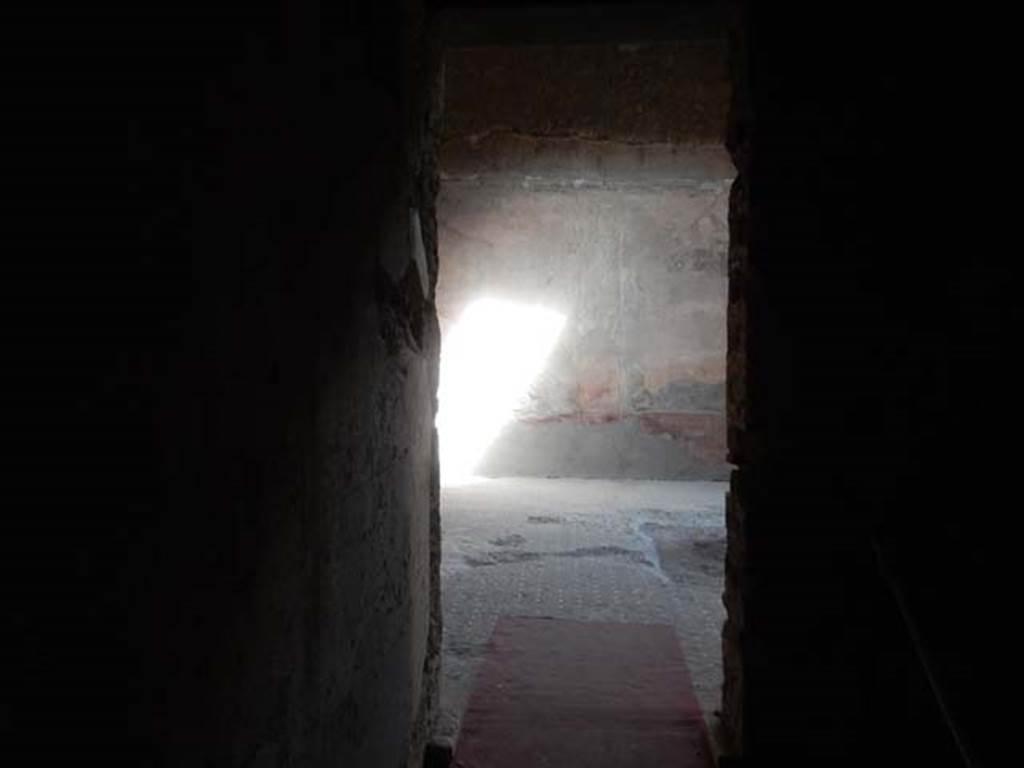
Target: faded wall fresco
<point>570,182</point>
<point>636,384</point>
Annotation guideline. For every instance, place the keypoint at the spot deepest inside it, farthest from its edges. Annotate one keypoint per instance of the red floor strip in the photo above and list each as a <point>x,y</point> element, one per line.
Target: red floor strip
<point>565,694</point>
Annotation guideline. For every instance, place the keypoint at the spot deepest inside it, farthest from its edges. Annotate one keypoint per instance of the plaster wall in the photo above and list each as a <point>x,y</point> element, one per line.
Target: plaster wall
<point>593,188</point>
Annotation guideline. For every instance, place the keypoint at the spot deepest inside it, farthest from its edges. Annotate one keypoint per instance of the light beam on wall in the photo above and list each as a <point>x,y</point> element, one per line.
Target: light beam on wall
<point>489,359</point>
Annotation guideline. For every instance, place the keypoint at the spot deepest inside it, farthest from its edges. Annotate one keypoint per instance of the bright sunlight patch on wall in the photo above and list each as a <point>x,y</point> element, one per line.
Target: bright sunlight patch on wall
<point>489,359</point>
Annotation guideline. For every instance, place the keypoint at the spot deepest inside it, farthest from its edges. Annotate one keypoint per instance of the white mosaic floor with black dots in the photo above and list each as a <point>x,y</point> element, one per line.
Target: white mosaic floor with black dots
<point>589,550</point>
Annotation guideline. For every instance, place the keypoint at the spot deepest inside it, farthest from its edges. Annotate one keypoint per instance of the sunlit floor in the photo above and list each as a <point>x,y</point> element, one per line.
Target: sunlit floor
<point>590,550</point>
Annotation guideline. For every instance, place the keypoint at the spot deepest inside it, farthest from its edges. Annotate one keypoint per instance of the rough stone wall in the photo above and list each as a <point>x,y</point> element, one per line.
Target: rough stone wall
<point>591,180</point>
<point>223,548</point>
<point>860,321</point>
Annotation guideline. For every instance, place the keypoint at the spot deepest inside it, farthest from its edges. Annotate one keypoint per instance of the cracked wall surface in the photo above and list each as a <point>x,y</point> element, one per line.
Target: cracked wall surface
<point>592,180</point>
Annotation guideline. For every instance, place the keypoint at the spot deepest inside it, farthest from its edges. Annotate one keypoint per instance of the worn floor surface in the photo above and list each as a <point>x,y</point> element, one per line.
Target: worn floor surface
<point>585,550</point>
<point>552,692</point>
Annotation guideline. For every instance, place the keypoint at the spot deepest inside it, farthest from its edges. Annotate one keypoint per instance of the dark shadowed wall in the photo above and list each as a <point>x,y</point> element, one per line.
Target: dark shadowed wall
<point>227,365</point>
<point>867,416</point>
